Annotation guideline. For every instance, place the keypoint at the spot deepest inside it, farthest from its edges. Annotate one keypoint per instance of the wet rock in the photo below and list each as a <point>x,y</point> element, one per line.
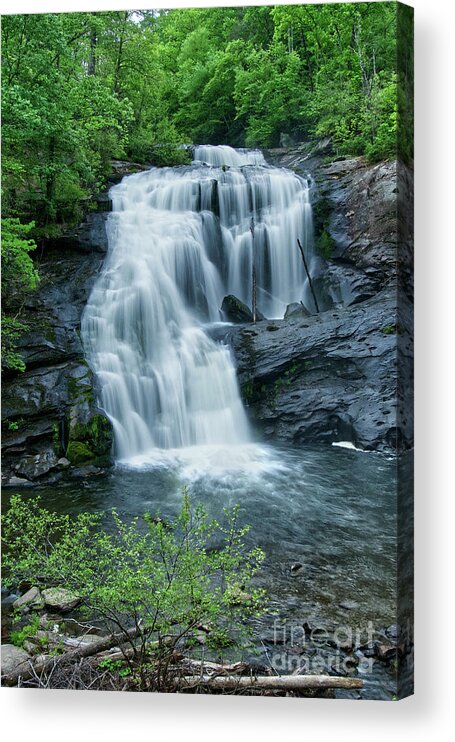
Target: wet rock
<point>393,632</point>
<point>121,168</point>
<point>31,599</point>
<point>63,463</point>
<point>89,236</point>
<point>355,208</point>
<point>33,467</point>
<point>235,310</point>
<point>297,309</point>
<point>82,472</point>
<point>18,482</point>
<point>13,659</point>
<point>296,568</point>
<point>60,599</point>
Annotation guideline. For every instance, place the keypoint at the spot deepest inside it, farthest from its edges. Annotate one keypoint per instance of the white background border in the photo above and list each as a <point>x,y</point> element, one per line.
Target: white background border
<point>30,714</point>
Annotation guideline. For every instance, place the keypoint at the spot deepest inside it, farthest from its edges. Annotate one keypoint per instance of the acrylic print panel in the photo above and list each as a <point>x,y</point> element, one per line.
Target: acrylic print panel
<point>207,350</point>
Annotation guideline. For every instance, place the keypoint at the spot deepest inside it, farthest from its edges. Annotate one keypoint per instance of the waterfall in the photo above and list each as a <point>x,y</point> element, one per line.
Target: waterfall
<point>180,239</point>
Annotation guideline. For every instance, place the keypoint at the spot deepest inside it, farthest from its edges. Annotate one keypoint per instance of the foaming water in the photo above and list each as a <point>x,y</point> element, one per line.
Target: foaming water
<point>180,239</point>
<point>219,463</point>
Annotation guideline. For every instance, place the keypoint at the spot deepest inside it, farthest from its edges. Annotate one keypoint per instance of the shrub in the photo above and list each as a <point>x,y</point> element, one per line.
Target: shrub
<point>161,581</point>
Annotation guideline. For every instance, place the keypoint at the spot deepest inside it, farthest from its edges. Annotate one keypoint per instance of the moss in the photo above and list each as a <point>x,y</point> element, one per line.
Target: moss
<point>13,424</point>
<point>97,434</point>
<point>81,388</point>
<point>325,245</point>
<point>56,438</point>
<point>79,453</point>
<point>247,390</point>
<point>389,329</point>
<point>91,441</point>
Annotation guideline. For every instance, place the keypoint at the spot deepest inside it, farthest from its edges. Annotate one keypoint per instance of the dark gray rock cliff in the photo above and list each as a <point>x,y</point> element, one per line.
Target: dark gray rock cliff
<point>49,412</point>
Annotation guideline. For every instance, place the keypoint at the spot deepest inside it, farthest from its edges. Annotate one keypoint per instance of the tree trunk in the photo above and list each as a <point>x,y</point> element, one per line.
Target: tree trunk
<point>92,60</point>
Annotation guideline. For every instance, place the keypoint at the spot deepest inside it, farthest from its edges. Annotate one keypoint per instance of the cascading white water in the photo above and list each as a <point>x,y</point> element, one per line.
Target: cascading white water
<point>180,239</point>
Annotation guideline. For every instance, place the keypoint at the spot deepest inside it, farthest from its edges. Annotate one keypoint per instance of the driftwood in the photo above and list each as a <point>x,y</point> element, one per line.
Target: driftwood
<point>265,682</point>
<point>308,274</point>
<point>30,668</point>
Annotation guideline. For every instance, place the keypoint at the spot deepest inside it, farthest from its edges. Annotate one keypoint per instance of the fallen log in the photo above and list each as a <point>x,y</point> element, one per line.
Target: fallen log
<point>30,668</point>
<point>264,682</point>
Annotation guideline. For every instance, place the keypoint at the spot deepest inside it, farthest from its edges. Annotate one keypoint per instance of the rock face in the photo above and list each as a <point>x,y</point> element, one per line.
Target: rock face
<point>51,425</point>
<point>331,376</point>
<point>50,411</point>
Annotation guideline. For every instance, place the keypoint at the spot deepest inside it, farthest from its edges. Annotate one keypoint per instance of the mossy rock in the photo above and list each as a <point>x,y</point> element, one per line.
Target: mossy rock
<point>79,453</point>
<point>91,442</point>
<point>96,434</point>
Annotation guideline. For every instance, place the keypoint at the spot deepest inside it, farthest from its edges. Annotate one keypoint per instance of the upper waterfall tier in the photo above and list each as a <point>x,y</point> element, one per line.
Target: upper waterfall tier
<point>222,155</point>
<point>179,240</point>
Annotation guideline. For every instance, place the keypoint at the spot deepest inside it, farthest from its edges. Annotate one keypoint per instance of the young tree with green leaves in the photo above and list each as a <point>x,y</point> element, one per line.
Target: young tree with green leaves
<point>156,583</point>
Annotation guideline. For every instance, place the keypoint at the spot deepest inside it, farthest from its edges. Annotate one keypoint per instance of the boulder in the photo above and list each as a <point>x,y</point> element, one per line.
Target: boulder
<point>33,467</point>
<point>31,647</point>
<point>31,599</point>
<point>60,599</point>
<point>13,658</point>
<point>296,309</point>
<point>236,311</point>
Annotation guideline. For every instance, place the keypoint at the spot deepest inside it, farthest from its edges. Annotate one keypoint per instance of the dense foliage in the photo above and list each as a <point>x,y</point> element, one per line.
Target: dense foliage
<point>164,581</point>
<point>79,89</point>
<point>19,276</point>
